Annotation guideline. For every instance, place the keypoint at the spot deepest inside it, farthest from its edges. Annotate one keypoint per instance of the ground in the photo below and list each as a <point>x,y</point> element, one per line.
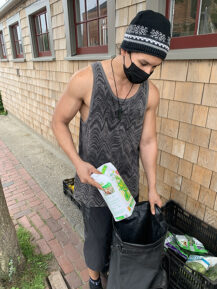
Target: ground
<point>32,172</point>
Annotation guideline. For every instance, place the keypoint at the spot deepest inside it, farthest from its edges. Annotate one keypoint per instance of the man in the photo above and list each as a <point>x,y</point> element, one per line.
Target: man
<point>117,104</point>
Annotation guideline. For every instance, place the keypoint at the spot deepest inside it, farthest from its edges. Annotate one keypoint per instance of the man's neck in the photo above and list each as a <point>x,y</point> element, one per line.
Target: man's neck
<point>120,76</point>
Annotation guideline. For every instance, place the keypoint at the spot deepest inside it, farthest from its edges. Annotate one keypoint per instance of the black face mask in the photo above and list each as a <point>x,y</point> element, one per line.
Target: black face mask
<point>134,74</point>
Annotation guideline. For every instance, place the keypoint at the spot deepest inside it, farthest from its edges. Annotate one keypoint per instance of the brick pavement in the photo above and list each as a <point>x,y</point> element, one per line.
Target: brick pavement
<point>30,206</point>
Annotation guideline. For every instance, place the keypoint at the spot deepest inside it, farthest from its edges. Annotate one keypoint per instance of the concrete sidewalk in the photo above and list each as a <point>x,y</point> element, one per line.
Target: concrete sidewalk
<point>31,172</point>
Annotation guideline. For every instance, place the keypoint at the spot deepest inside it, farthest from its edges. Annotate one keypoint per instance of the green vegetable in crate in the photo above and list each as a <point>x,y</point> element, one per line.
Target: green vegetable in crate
<point>201,264</point>
<point>190,244</point>
<point>212,273</point>
<point>170,242</point>
<point>197,267</point>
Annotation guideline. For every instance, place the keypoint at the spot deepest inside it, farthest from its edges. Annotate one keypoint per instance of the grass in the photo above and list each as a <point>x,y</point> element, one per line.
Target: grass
<point>36,268</point>
<point>2,110</point>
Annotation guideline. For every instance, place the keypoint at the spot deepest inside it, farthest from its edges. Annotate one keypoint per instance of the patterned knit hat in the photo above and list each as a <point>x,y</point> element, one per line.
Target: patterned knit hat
<point>148,32</point>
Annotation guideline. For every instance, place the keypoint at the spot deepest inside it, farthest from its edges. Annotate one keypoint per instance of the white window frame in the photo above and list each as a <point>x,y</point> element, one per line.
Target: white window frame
<point>70,33</point>
<point>30,11</point>
<point>10,22</point>
<point>179,54</point>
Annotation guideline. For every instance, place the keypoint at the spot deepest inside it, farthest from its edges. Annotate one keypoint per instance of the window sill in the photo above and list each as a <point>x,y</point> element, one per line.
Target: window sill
<point>4,60</point>
<point>18,60</point>
<point>192,53</point>
<point>49,58</point>
<point>90,57</point>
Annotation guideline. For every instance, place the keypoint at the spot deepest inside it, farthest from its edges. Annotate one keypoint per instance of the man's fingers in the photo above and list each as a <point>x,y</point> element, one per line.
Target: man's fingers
<point>95,171</point>
<point>152,209</point>
<point>94,183</point>
<point>97,185</point>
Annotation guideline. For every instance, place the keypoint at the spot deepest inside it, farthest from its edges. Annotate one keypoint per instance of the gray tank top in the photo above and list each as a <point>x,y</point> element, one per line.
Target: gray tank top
<point>104,138</point>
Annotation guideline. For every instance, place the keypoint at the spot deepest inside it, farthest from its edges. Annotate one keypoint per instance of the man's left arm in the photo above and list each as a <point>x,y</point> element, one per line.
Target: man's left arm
<point>148,146</point>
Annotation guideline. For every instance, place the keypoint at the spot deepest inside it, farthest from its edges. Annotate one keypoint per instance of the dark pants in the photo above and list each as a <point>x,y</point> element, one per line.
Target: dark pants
<point>98,237</point>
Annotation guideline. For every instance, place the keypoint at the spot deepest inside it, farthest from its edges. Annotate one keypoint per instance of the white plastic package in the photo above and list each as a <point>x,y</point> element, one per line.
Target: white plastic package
<point>119,200</point>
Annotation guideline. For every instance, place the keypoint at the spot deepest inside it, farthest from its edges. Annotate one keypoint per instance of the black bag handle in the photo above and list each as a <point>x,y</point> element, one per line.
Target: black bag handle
<point>159,216</point>
<point>157,209</point>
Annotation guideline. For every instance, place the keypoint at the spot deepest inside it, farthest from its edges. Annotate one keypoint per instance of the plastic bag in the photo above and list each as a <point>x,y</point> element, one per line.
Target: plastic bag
<point>171,243</point>
<point>201,264</point>
<point>137,251</point>
<point>119,200</point>
<point>190,244</point>
<point>212,273</point>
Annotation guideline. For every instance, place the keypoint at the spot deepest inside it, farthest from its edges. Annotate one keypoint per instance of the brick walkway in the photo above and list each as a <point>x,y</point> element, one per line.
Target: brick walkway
<point>31,207</point>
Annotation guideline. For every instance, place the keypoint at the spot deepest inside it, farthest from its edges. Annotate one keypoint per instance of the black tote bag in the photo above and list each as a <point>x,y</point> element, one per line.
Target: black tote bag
<point>137,251</point>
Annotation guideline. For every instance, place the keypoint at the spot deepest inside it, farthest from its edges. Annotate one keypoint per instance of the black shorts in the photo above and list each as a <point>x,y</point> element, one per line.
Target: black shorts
<point>98,237</point>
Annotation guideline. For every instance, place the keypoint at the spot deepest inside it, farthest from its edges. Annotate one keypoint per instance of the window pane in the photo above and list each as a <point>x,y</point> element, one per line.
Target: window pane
<point>80,10</point>
<point>1,51</point>
<point>18,33</point>
<point>43,23</point>
<point>208,17</point>
<point>15,33</point>
<point>184,17</point>
<point>102,7</point>
<point>17,47</point>
<point>93,33</point>
<point>92,9</point>
<point>21,47</point>
<point>40,43</point>
<point>82,35</point>
<point>46,42</point>
<point>37,25</point>
<point>103,31</point>
<point>4,50</point>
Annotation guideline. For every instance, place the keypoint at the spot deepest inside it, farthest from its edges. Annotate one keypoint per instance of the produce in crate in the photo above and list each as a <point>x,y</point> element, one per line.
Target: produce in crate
<point>181,275</point>
<point>171,242</point>
<point>212,273</point>
<point>191,244</point>
<point>203,264</point>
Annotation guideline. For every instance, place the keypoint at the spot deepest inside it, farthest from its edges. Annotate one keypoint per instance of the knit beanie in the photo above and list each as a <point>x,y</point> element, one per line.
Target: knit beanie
<point>148,32</point>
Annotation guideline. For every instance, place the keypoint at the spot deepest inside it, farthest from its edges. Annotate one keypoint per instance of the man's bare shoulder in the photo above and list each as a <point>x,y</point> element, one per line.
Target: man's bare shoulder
<point>153,96</point>
<point>81,82</point>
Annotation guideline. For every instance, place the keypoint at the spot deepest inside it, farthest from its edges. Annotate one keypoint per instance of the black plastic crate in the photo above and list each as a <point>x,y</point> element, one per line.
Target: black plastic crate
<point>180,276</point>
<point>68,191</point>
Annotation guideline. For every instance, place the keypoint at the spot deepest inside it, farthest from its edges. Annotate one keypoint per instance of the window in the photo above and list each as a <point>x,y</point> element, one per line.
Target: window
<point>2,47</point>
<point>90,29</point>
<point>16,41</point>
<point>194,23</point>
<point>14,29</point>
<point>90,19</point>
<point>41,34</point>
<point>39,20</point>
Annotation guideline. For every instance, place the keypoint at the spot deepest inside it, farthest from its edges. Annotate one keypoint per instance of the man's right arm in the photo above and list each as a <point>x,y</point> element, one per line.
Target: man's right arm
<point>66,109</point>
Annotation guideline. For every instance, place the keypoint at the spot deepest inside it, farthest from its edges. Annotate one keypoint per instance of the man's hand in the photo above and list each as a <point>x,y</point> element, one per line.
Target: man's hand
<point>154,198</point>
<point>84,171</point>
